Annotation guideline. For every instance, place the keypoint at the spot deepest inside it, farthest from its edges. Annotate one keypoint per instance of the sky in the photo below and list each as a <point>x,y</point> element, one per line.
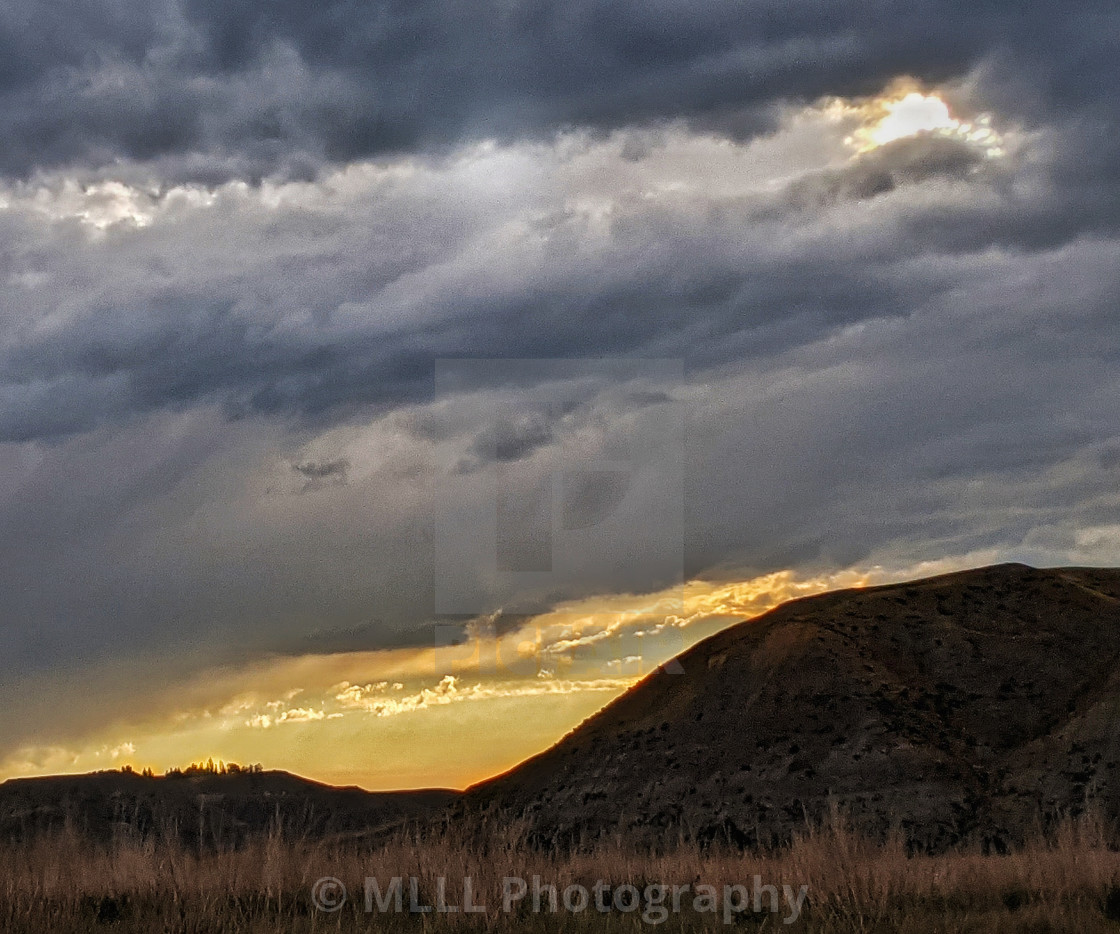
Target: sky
<point>384,388</point>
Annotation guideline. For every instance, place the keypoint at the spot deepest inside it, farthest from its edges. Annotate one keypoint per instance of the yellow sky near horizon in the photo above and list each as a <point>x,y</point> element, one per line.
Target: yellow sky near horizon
<point>438,716</point>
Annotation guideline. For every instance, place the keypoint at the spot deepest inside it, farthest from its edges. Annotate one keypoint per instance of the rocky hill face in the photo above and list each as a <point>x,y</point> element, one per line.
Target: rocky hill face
<point>961,708</point>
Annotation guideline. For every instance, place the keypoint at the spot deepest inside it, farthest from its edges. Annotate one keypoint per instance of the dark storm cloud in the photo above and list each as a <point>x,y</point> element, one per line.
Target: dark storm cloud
<point>275,334</point>
<point>893,358</point>
<point>67,384</point>
<point>211,89</point>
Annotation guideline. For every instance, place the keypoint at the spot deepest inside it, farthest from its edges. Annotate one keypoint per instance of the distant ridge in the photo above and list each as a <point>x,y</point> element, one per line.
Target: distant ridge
<point>965,707</point>
<point>202,810</point>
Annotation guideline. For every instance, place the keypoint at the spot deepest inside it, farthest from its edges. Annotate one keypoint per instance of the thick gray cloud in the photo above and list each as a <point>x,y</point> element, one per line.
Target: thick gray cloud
<point>220,430</point>
<point>212,90</point>
<point>320,308</point>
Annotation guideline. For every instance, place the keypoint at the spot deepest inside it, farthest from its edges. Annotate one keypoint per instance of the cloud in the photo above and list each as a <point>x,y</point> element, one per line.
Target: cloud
<point>240,243</point>
<point>318,473</point>
<point>903,162</point>
<point>270,312</point>
<point>265,721</point>
<point>211,91</point>
<point>189,362</point>
<point>324,470</point>
<point>512,440</point>
<point>373,700</point>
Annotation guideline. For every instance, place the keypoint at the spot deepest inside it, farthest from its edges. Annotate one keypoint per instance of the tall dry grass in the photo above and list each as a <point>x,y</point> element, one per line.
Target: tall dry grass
<point>1069,882</point>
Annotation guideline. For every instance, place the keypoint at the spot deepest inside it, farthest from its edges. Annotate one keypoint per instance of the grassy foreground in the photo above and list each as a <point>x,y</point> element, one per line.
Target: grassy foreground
<point>1069,882</point>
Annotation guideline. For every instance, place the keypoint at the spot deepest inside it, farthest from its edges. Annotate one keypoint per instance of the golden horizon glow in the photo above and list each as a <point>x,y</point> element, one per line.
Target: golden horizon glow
<point>436,716</point>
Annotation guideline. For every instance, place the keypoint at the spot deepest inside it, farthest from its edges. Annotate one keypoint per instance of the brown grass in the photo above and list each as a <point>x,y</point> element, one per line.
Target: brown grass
<point>1067,883</point>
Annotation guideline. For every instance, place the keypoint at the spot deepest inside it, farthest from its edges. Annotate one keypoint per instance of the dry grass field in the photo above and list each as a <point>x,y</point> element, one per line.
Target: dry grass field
<point>61,884</point>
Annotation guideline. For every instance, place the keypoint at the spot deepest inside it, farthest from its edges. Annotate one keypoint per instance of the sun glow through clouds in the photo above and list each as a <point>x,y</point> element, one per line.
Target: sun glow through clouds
<point>915,113</point>
<point>904,112</point>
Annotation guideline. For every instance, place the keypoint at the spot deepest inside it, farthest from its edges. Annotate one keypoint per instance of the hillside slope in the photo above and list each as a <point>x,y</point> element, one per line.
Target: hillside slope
<point>963,707</point>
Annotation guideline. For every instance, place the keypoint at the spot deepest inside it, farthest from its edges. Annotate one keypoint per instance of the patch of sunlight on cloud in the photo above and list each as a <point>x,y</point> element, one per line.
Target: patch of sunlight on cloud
<point>906,110</point>
<point>371,698</point>
<point>915,113</point>
<point>106,204</point>
<point>293,715</point>
<point>1097,538</point>
<point>40,760</point>
<point>582,634</point>
<point>53,759</point>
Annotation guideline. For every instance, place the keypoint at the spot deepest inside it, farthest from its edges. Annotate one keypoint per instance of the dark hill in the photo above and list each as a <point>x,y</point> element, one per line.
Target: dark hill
<point>214,810</point>
<point>963,707</point>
